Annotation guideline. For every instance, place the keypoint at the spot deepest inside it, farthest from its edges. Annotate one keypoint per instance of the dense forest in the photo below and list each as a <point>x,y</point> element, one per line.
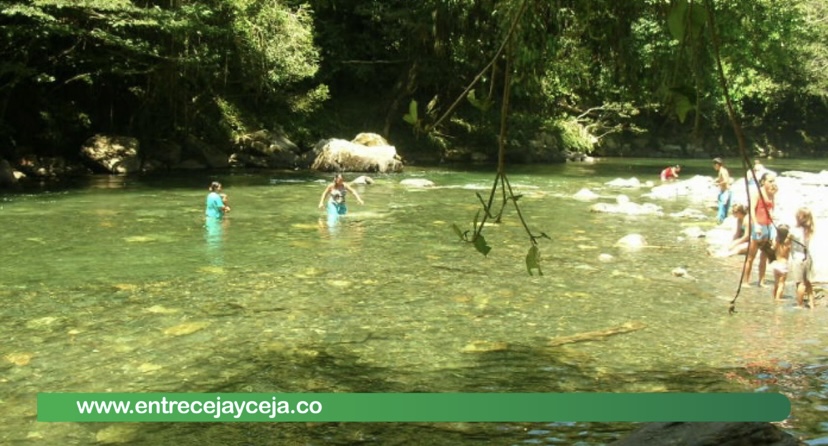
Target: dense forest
<point>431,76</point>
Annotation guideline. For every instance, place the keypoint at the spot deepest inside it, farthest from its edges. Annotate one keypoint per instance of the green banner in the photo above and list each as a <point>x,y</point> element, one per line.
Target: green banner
<point>411,407</point>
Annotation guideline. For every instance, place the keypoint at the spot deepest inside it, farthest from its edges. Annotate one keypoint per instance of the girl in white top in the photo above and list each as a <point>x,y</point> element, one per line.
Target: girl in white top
<point>802,264</point>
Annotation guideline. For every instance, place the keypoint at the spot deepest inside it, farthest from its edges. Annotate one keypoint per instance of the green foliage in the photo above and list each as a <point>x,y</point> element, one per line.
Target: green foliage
<point>155,68</point>
<point>231,118</point>
<point>307,102</point>
<point>412,116</point>
<point>684,17</point>
<point>275,43</point>
<point>574,136</point>
<point>484,104</point>
<point>481,246</point>
<point>476,238</point>
<point>812,33</point>
<point>533,260</point>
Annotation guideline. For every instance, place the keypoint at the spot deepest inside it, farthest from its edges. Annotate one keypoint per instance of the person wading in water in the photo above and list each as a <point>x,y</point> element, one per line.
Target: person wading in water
<point>337,192</point>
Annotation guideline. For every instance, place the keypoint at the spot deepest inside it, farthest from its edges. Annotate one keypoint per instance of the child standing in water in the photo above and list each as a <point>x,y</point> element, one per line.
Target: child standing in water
<point>782,251</point>
<point>802,264</point>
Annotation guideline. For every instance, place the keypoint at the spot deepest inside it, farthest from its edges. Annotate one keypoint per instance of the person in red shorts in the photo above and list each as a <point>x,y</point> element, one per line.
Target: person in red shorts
<point>670,173</point>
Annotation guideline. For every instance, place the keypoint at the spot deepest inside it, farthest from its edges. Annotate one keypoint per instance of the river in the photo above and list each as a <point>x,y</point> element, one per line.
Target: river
<point>113,284</point>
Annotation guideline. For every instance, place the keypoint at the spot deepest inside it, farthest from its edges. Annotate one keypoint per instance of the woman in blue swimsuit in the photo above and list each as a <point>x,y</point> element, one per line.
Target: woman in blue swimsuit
<point>337,192</point>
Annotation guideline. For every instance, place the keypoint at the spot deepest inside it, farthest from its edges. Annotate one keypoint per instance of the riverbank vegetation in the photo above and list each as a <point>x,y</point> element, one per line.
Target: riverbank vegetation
<point>614,78</point>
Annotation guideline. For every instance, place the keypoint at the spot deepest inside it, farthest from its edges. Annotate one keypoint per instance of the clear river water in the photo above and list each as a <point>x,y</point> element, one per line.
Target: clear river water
<point>113,284</point>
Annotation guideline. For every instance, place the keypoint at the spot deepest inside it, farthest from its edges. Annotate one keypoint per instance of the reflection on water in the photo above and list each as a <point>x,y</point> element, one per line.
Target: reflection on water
<point>106,294</point>
<point>214,236</point>
<point>332,212</point>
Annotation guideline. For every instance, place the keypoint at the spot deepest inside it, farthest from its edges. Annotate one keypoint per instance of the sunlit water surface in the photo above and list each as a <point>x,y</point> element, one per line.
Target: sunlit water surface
<point>114,285</point>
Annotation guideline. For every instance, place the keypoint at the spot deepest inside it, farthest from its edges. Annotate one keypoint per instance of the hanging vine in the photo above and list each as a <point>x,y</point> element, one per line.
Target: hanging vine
<point>501,181</point>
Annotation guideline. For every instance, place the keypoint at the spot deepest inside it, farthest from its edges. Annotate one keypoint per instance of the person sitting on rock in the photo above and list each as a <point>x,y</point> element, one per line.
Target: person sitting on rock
<point>741,237</point>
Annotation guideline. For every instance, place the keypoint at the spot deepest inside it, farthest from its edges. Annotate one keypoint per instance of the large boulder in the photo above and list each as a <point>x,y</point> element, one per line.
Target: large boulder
<point>370,140</point>
<point>709,434</point>
<point>164,153</point>
<point>50,167</point>
<point>7,178</point>
<point>198,152</point>
<point>112,154</point>
<point>265,148</point>
<point>334,155</point>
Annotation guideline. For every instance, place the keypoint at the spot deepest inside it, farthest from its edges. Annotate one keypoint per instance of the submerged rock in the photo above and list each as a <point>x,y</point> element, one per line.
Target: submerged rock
<point>709,434</point>
<point>632,183</point>
<point>485,346</point>
<point>363,180</point>
<point>585,195</point>
<point>117,434</point>
<point>417,182</point>
<point>679,272</point>
<point>19,359</point>
<point>632,241</point>
<point>626,207</point>
<point>694,232</point>
<point>185,328</point>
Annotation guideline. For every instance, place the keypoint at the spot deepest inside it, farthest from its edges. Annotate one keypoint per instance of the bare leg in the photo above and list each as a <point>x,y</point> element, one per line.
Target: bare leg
<point>802,288</point>
<point>809,290</point>
<point>779,289</point>
<point>751,255</point>
<point>763,264</point>
<point>800,294</point>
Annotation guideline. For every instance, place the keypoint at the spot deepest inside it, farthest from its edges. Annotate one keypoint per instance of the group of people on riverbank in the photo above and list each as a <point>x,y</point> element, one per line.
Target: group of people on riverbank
<point>785,249</point>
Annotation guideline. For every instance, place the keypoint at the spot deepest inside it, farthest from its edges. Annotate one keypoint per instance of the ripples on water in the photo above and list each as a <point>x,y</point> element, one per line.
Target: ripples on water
<point>121,288</point>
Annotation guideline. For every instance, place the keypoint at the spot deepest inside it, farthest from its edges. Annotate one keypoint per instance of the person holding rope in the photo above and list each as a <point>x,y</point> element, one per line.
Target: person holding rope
<point>761,216</point>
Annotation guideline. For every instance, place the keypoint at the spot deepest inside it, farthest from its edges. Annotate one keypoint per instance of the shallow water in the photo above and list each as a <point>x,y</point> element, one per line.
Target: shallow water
<point>114,284</point>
